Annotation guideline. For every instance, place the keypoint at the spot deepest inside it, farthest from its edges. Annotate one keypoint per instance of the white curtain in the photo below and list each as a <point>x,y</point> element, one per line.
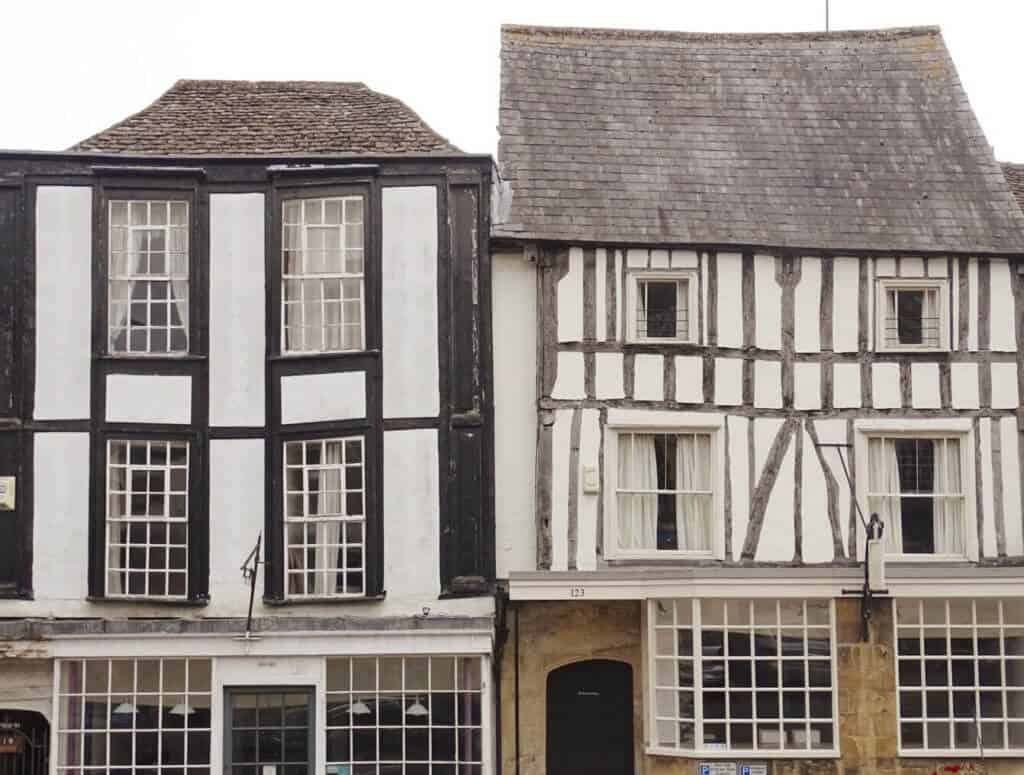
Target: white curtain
<point>884,483</point>
<point>949,517</point>
<point>892,330</point>
<point>638,512</point>
<point>930,318</point>
<point>117,531</point>
<point>179,285</point>
<point>328,530</point>
<point>693,512</point>
<point>123,266</point>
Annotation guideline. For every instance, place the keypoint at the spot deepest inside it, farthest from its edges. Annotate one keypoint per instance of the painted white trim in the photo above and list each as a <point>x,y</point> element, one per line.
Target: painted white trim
<point>914,283</point>
<point>149,398</point>
<point>741,756</point>
<point>674,275</point>
<point>639,419</point>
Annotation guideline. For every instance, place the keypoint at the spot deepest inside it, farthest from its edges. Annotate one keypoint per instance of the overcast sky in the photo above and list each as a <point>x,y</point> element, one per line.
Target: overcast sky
<point>73,68</point>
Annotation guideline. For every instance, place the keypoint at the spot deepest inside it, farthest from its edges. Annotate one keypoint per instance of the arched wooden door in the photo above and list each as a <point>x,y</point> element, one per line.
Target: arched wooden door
<point>590,719</point>
<point>24,743</point>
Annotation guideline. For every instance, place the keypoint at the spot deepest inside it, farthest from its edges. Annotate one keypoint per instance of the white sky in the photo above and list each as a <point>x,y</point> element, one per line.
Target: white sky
<point>72,68</point>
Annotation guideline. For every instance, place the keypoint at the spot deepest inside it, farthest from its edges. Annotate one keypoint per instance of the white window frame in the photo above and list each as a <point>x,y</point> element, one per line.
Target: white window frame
<point>633,279</point>
<point>650,687</point>
<point>920,429</point>
<point>886,284</point>
<point>642,421</point>
<point>341,520</point>
<point>945,631</point>
<point>167,276</point>
<point>322,277</point>
<point>112,522</point>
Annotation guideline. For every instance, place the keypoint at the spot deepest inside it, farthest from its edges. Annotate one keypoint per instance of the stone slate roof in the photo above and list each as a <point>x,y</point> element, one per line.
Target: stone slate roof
<point>269,117</point>
<point>1015,177</point>
<point>844,140</point>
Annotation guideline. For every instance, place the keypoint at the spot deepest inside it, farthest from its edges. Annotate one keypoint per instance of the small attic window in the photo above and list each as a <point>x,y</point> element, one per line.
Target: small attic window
<point>913,315</point>
<point>661,307</point>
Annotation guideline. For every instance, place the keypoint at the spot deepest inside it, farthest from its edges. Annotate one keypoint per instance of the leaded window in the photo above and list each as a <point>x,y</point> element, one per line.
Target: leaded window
<point>148,281</point>
<point>147,518</point>
<point>422,714</point>
<point>960,676</point>
<point>138,716</point>
<point>743,675</point>
<point>322,273</point>
<point>325,517</point>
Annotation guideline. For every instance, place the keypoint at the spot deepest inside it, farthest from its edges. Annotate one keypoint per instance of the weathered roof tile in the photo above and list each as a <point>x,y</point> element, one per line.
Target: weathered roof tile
<point>1015,177</point>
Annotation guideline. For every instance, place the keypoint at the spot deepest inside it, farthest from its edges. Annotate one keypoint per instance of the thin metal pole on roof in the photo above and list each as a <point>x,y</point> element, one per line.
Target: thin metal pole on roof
<point>826,15</point>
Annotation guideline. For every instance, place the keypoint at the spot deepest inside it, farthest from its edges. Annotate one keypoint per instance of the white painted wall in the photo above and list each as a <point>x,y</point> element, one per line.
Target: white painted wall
<point>608,375</point>
<point>149,398</point>
<point>924,385</point>
<point>63,315</point>
<point>807,306</point>
<point>1013,509</point>
<point>730,286</point>
<point>1004,386</point>
<point>689,379</point>
<point>768,384</point>
<point>739,472</point>
<point>515,410</point>
<point>728,381</point>
<point>561,436</point>
<point>846,386</point>
<point>409,347</point>
<point>570,299</point>
<point>845,301</point>
<point>569,382</point>
<point>806,386</point>
<point>964,385</point>
<point>323,397</point>
<point>768,335</point>
<point>1002,331</point>
<point>586,517</point>
<point>648,378</point>
<point>885,385</point>
<point>237,310</point>
<point>817,533</point>
<point>777,532</point>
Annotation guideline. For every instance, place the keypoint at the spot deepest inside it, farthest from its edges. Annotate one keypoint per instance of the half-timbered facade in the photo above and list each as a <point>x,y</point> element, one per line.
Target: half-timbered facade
<point>253,312</point>
<point>778,290</point>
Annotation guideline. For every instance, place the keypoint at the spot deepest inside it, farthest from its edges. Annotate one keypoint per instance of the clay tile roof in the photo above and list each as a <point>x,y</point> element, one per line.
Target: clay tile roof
<point>1015,177</point>
<point>843,140</point>
<point>269,117</point>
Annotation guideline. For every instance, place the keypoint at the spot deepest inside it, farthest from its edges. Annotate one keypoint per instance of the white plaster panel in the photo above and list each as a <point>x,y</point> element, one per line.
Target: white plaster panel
<point>817,532</point>
<point>586,517</point>
<point>739,471</point>
<point>237,310</point>
<point>63,314</point>
<point>728,381</point>
<point>1011,487</point>
<point>807,386</point>
<point>684,259</point>
<point>911,266</point>
<point>149,398</point>
<point>601,293</point>
<point>885,385</point>
<point>1004,386</point>
<point>885,267</point>
<point>323,397</point>
<point>807,305</point>
<point>988,532</point>
<point>938,267</point>
<point>236,515</point>
<point>768,331</point>
<point>60,531</point>
<point>648,377</point>
<point>515,411</point>
<point>561,437</point>
<point>702,308</point>
<point>409,348</point>
<point>569,381</point>
<point>834,432</point>
<point>924,386</point>
<point>618,333</point>
<point>412,521</point>
<point>846,386</point>
<point>963,379</point>
<point>972,304</point>
<point>1002,333</point>
<point>768,384</point>
<point>689,379</point>
<point>845,304</point>
<point>636,258</point>
<point>954,297</point>
<point>570,299</point>
<point>659,259</point>
<point>776,543</point>
<point>608,375</point>
<point>730,291</point>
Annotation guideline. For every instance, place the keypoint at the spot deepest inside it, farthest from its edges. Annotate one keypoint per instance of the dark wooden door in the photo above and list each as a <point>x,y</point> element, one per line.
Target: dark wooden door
<point>24,743</point>
<point>590,719</point>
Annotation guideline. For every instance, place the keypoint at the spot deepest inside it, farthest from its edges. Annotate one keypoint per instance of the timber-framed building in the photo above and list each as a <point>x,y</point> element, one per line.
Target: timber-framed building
<point>776,279</point>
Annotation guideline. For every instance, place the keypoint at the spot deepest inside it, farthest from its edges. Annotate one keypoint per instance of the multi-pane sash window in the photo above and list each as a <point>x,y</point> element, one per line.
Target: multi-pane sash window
<point>663,492</point>
<point>148,277</point>
<point>916,487</point>
<point>417,715</point>
<point>743,675</point>
<point>322,296</point>
<point>134,716</point>
<point>325,518</point>
<point>912,316</point>
<point>960,676</point>
<point>147,518</point>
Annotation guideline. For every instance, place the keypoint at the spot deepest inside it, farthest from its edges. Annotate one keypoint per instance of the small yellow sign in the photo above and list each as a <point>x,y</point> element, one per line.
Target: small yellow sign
<point>7,493</point>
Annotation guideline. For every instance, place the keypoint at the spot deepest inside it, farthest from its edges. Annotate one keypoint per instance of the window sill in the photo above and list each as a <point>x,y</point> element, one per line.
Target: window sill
<point>635,558</point>
<point>917,559</point>
<point>323,356</point>
<point>961,753</point>
<point>746,756</point>
<point>159,601</point>
<point>290,601</point>
<point>912,350</point>
<point>154,358</point>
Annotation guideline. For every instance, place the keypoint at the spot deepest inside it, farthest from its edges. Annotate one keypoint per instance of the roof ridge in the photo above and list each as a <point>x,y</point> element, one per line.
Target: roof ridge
<point>640,35</point>
<point>273,82</point>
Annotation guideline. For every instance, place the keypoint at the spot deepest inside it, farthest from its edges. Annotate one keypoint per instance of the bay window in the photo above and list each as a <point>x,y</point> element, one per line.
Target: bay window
<point>743,676</point>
